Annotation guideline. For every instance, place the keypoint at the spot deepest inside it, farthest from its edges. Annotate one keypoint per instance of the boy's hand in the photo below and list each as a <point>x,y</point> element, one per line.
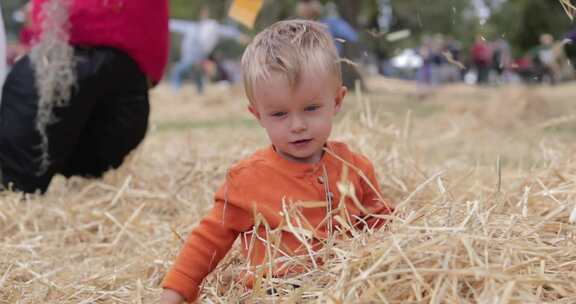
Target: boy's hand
<point>170,296</point>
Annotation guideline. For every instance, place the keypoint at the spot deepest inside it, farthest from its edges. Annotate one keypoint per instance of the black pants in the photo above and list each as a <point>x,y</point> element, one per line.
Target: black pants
<point>105,119</point>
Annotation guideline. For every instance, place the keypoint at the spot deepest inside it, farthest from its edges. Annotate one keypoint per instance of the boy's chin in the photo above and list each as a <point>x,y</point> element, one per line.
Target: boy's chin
<point>304,157</point>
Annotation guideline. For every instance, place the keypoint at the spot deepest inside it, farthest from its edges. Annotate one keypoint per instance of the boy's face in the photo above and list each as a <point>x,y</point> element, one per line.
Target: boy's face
<point>298,121</point>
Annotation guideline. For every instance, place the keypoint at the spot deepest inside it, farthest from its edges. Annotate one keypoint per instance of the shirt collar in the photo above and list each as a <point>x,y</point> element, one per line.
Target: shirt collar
<point>294,167</point>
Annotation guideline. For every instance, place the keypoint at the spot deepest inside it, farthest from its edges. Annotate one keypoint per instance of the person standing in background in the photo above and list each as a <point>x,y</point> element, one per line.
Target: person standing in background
<point>343,34</point>
<point>26,36</point>
<point>481,54</point>
<point>549,60</point>
<point>198,41</point>
<point>501,60</point>
<point>22,46</point>
<point>570,48</point>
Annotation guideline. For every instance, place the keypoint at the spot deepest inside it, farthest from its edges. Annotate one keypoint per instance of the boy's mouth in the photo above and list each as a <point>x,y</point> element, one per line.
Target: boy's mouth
<point>301,141</point>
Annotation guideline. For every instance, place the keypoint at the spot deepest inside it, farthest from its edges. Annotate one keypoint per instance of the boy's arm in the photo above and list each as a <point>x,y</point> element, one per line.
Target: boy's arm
<point>206,246</point>
<point>170,296</point>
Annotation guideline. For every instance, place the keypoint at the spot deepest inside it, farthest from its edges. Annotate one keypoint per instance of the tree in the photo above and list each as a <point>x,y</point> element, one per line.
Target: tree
<point>523,21</point>
<point>188,9</point>
<point>450,17</point>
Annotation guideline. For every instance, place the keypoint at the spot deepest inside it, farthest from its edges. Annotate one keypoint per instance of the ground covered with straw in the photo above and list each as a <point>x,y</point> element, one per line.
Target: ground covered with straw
<point>483,180</point>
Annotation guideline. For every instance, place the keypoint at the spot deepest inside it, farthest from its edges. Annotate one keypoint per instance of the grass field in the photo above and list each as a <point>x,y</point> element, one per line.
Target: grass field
<point>484,182</point>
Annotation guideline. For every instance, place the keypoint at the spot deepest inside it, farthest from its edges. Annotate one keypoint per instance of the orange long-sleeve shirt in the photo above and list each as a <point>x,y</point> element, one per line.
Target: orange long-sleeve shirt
<point>266,186</point>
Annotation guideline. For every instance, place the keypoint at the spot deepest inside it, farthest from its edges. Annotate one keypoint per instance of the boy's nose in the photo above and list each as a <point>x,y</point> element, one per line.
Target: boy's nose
<point>297,124</point>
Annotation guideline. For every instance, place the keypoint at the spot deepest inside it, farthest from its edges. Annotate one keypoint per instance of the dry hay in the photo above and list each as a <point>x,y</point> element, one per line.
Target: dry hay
<point>513,107</point>
<point>53,61</point>
<point>507,107</point>
<point>464,231</point>
<point>569,8</point>
<point>389,85</point>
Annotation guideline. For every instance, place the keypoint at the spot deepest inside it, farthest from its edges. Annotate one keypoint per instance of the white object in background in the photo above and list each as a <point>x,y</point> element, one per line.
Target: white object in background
<point>407,59</point>
<point>2,52</point>
<point>398,35</point>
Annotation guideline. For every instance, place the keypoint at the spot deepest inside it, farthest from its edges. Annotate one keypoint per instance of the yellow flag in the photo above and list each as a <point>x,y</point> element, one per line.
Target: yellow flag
<point>245,11</point>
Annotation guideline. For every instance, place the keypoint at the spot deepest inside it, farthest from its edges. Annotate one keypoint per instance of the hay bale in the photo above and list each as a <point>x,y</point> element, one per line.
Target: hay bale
<point>465,230</point>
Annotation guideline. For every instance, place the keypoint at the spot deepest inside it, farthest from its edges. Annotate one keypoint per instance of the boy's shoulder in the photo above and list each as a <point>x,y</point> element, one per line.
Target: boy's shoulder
<point>252,165</point>
<point>340,148</point>
<point>343,151</point>
<point>262,164</point>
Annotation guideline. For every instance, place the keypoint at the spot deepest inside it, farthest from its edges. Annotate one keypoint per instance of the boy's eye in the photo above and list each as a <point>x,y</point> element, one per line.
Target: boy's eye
<point>278,114</point>
<point>311,108</point>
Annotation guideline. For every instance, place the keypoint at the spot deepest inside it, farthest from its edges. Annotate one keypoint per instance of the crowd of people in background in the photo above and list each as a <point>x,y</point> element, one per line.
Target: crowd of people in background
<point>439,59</point>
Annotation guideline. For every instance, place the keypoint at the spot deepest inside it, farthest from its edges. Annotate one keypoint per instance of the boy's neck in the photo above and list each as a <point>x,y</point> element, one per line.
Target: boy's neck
<point>297,160</point>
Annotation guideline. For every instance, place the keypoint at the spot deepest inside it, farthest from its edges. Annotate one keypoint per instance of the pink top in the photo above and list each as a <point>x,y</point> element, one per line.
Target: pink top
<point>137,27</point>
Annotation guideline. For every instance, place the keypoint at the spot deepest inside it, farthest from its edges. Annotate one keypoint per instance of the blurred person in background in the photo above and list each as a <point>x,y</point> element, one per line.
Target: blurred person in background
<point>339,28</point>
<point>25,37</point>
<point>198,42</point>
<point>481,55</point>
<point>24,16</point>
<point>570,48</point>
<point>220,69</point>
<point>452,53</point>
<point>343,34</point>
<point>501,60</point>
<point>549,60</point>
<point>424,73</point>
<point>438,61</point>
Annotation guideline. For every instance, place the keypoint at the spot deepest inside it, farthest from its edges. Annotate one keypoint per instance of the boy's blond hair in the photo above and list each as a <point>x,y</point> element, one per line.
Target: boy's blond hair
<point>289,47</point>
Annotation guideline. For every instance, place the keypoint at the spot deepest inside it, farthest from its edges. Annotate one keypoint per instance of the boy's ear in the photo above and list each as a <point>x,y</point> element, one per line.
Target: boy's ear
<point>342,91</point>
<point>254,111</point>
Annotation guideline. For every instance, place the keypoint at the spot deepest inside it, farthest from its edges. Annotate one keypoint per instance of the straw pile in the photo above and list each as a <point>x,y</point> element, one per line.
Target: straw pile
<point>483,210</point>
<point>569,8</point>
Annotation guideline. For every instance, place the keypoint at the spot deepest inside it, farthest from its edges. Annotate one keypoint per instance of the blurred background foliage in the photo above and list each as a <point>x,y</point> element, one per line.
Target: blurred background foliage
<point>519,21</point>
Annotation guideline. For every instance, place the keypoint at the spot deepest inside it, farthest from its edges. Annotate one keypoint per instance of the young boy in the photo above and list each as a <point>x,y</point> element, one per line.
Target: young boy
<point>293,82</point>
